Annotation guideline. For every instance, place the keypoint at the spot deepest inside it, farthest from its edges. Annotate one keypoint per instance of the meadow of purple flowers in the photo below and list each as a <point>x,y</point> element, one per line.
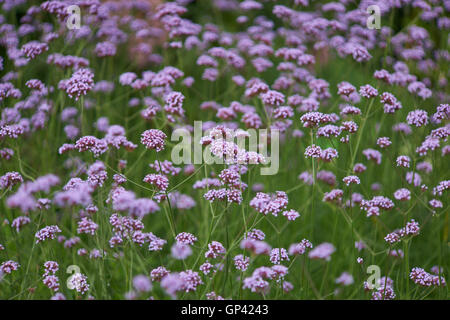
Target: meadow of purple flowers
<point>94,206</point>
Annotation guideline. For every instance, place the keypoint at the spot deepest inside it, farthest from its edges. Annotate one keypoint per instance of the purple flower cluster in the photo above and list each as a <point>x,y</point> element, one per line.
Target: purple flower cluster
<point>153,139</point>
<point>425,279</point>
<point>48,232</point>
<point>411,229</point>
<point>79,84</point>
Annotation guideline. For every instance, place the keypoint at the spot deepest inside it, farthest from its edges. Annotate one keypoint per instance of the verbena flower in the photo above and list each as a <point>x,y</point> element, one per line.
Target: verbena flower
<point>153,139</point>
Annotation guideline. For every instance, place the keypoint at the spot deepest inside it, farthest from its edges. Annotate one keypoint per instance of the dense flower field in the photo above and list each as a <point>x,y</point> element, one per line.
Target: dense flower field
<point>123,175</point>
